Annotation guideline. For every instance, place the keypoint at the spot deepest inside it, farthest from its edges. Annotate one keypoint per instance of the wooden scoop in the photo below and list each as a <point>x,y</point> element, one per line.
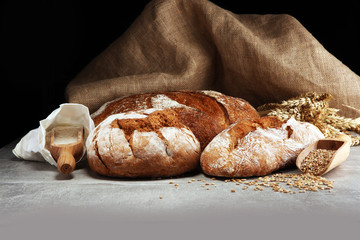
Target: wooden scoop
<point>66,147</point>
<point>340,144</point>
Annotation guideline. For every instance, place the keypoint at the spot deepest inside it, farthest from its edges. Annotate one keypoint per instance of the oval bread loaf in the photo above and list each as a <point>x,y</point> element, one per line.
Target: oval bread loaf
<point>221,108</point>
<point>144,143</point>
<point>206,113</point>
<point>257,147</point>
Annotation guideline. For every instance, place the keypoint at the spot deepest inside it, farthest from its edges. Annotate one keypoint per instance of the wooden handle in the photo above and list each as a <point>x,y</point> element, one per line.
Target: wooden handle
<point>66,162</point>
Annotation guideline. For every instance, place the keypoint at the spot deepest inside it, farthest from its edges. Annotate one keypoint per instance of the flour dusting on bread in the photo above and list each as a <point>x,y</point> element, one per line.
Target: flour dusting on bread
<point>160,101</point>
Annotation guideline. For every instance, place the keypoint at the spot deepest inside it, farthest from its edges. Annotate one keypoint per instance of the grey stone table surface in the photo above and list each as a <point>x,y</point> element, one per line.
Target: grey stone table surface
<point>35,191</point>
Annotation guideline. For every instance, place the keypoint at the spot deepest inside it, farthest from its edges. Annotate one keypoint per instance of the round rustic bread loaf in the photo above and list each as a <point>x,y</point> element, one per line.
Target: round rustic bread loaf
<point>143,143</point>
<point>257,147</point>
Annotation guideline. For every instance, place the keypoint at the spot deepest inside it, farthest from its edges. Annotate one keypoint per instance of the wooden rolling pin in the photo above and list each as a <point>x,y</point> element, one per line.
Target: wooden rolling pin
<point>66,147</point>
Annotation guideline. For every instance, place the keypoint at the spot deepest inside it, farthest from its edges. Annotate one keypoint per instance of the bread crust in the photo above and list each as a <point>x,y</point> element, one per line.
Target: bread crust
<point>257,147</point>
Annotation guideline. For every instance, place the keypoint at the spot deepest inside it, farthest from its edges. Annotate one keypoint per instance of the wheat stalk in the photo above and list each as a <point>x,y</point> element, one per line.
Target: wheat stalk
<point>314,108</point>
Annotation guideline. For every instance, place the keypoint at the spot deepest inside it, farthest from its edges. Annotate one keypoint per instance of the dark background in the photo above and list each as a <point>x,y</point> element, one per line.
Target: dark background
<point>44,44</point>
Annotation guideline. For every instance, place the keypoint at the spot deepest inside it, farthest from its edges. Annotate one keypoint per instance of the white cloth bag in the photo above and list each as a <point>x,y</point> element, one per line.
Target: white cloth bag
<point>33,145</point>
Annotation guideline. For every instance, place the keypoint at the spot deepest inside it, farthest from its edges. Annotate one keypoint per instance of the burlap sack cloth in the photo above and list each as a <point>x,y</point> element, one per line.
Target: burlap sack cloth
<point>194,44</point>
